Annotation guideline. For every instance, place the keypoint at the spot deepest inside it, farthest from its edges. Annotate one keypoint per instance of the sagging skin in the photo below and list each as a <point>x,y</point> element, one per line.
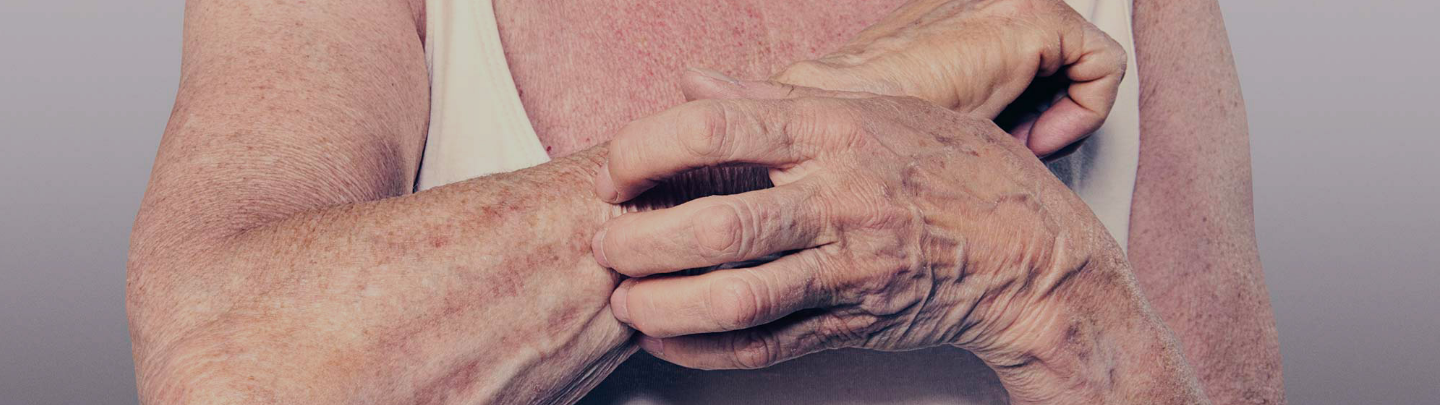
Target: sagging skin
<point>278,259</point>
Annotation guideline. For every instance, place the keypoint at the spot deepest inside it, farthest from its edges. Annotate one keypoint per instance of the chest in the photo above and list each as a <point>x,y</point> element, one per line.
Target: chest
<point>586,67</point>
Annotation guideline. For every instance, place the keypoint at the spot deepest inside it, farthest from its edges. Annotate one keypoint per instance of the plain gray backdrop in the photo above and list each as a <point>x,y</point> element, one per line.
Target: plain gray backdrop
<point>1342,118</point>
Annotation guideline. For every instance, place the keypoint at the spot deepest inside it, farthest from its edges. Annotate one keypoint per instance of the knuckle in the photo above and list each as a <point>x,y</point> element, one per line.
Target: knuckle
<point>753,350</point>
<point>1113,53</point>
<point>720,230</point>
<point>705,124</point>
<point>734,303</point>
<point>1119,58</point>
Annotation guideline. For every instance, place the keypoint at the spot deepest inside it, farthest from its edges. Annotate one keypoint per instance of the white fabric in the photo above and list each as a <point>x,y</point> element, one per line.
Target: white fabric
<point>478,126</point>
<point>1102,169</point>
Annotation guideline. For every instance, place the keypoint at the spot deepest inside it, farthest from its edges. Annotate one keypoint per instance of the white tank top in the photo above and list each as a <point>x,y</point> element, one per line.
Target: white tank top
<point>478,126</point>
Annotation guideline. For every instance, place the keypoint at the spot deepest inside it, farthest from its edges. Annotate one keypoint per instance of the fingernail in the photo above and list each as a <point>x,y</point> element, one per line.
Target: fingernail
<point>597,246</point>
<point>605,186</point>
<point>655,346</point>
<point>620,303</point>
<point>716,75</point>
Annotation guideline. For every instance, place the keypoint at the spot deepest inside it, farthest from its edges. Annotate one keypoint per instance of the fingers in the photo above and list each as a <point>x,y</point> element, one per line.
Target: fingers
<point>713,231</point>
<point>693,135</point>
<point>1095,69</point>
<point>745,349</point>
<point>722,300</point>
<point>777,134</point>
<point>887,75</point>
<point>701,83</point>
<point>1062,124</point>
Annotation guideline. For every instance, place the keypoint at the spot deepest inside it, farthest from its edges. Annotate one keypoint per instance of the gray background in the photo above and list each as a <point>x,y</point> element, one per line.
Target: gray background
<point>1342,117</point>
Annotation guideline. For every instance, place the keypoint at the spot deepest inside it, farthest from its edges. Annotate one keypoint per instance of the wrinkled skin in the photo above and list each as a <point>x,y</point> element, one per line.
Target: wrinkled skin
<point>241,260</point>
<point>900,223</point>
<point>913,199</point>
<point>904,225</point>
<point>979,56</point>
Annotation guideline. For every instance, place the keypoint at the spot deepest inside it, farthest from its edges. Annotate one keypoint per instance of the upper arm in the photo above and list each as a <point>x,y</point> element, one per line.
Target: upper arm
<point>283,106</point>
<point>286,106</point>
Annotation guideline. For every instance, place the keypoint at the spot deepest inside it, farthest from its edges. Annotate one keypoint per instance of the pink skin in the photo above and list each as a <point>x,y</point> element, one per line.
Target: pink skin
<point>902,226</point>
<point>1005,45</point>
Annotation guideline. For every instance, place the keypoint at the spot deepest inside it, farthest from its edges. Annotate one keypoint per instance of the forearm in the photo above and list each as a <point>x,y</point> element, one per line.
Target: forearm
<point>1142,362</point>
<point>480,291</point>
<point>1192,225</point>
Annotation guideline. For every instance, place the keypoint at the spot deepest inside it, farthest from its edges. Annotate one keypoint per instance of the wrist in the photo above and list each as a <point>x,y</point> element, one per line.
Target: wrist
<point>559,336</point>
<point>1098,342</point>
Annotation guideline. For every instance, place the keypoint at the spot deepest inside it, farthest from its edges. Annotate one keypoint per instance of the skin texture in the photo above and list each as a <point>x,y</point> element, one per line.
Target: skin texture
<point>584,68</point>
<point>1192,222</point>
<point>892,245</point>
<point>277,258</point>
<point>1008,44</point>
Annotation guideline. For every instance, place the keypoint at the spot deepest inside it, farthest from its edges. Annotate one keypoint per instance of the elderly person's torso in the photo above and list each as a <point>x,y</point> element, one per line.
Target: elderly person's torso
<point>585,68</point>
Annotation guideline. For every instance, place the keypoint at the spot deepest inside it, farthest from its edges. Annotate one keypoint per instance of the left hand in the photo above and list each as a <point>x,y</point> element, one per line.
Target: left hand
<point>904,225</point>
<point>979,56</point>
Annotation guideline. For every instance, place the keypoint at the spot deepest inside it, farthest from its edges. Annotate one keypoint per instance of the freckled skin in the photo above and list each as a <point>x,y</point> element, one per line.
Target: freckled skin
<point>899,204</point>
<point>1191,261</point>
<point>279,257</point>
<point>1193,225</point>
<point>585,68</point>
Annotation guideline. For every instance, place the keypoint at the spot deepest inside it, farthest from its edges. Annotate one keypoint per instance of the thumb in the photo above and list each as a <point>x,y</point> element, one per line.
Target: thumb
<point>702,83</point>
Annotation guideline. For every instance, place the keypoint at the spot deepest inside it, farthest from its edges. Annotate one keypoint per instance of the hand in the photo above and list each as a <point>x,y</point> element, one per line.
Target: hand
<point>903,226</point>
<point>979,56</point>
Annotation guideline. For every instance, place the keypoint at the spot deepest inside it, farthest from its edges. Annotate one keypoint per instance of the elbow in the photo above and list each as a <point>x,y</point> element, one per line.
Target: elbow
<point>181,349</point>
<point>167,309</point>
<point>190,373</point>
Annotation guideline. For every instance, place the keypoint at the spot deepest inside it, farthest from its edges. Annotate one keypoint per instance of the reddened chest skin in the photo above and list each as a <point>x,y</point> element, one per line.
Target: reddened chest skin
<point>585,68</point>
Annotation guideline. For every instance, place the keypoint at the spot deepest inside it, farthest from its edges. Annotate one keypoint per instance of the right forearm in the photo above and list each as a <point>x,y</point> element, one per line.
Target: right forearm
<point>1129,353</point>
<point>1098,341</point>
<point>482,290</point>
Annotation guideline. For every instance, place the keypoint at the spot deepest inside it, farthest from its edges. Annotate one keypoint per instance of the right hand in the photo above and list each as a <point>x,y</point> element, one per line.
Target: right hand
<point>903,225</point>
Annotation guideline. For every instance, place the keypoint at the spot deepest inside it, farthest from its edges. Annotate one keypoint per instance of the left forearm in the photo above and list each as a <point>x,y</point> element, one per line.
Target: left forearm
<point>1194,244</point>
